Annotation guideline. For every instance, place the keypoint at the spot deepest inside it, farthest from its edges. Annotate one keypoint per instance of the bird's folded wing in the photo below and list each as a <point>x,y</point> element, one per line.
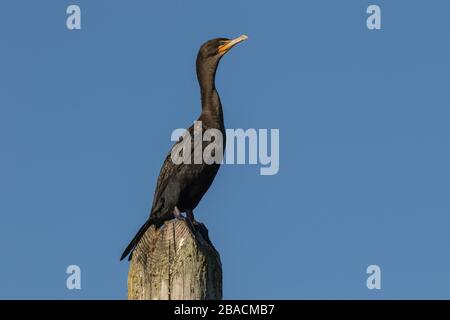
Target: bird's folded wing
<point>170,169</point>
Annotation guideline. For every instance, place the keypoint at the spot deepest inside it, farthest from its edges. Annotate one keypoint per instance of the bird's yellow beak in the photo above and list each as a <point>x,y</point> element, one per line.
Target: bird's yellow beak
<point>231,43</point>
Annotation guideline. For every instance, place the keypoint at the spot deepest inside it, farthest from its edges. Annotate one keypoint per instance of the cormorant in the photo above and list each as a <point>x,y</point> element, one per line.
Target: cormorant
<point>180,187</point>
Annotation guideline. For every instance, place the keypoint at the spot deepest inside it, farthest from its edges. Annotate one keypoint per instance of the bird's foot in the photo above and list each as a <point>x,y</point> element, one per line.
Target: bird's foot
<point>190,221</point>
<point>177,213</point>
<point>197,227</point>
<point>191,227</point>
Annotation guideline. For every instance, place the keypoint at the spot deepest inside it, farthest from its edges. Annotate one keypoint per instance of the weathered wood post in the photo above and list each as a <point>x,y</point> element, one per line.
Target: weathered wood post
<point>172,264</point>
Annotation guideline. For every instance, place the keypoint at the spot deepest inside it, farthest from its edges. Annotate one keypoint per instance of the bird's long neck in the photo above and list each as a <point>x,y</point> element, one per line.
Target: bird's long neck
<point>211,105</point>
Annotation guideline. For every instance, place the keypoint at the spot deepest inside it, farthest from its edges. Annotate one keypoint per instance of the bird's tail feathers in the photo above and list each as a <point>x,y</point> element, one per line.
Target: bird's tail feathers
<point>129,249</point>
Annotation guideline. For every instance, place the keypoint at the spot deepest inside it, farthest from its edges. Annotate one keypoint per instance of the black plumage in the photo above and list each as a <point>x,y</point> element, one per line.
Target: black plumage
<point>180,187</point>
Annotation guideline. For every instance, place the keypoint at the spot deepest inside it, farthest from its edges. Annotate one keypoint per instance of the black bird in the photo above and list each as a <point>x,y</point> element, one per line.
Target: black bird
<point>180,187</point>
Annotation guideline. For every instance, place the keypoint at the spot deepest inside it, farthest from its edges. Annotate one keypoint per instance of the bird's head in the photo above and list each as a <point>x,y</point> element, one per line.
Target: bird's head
<point>216,48</point>
<point>209,56</point>
<point>212,50</point>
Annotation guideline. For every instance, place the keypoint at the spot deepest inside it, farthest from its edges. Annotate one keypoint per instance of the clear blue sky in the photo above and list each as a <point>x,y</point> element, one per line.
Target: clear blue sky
<point>86,118</point>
